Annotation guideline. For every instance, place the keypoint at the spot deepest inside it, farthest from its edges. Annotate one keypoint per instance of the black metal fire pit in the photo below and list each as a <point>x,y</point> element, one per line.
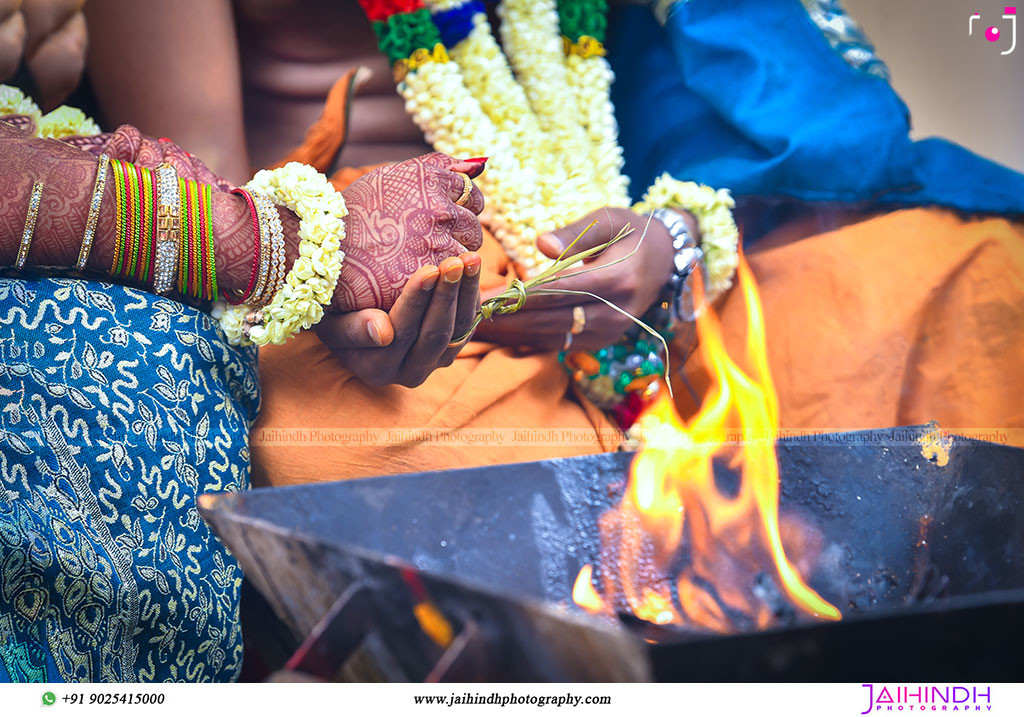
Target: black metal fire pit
<point>925,562</point>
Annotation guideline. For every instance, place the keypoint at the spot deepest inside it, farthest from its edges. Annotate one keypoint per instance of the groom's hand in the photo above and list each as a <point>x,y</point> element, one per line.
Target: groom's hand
<point>405,345</point>
<point>630,274</point>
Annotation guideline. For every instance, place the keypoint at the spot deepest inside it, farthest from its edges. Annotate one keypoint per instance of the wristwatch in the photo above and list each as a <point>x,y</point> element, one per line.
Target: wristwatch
<point>687,256</point>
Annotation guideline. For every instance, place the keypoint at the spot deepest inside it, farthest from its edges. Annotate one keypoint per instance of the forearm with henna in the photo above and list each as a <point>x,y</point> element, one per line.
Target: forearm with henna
<point>69,176</point>
<point>400,218</point>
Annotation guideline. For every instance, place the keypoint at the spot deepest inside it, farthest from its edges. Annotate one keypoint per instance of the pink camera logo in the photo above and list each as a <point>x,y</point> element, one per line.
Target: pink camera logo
<point>993,34</point>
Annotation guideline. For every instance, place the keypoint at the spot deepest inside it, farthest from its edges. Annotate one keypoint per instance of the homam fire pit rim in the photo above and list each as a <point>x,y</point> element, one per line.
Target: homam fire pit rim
<point>477,506</point>
<point>581,618</point>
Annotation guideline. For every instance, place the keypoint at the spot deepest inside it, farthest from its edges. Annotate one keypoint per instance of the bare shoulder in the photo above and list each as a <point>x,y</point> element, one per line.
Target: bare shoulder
<point>300,47</point>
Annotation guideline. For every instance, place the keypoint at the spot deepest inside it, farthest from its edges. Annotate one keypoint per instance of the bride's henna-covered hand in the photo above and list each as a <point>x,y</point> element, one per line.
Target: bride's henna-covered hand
<point>67,175</point>
<point>401,218</point>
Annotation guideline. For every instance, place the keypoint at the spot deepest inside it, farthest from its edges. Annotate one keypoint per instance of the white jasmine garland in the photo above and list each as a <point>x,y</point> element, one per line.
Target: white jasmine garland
<point>14,102</point>
<point>66,122</point>
<point>713,209</point>
<point>487,75</point>
<point>532,40</point>
<point>550,132</point>
<point>310,284</point>
<point>591,79</point>
<point>62,122</point>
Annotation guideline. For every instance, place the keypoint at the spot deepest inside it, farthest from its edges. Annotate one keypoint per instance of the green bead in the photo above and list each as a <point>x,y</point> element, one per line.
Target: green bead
<point>647,368</point>
<point>605,368</point>
<point>602,354</point>
<point>624,380</point>
<point>642,347</point>
<point>619,351</point>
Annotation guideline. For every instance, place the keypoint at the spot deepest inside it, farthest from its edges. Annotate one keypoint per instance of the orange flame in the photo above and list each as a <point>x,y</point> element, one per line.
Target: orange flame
<point>673,500</point>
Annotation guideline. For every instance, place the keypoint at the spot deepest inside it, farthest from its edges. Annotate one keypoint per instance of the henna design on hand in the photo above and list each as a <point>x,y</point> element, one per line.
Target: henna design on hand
<point>68,175</point>
<point>401,218</point>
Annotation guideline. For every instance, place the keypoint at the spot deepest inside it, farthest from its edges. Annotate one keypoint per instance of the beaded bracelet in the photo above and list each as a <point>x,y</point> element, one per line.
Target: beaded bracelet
<point>618,378</point>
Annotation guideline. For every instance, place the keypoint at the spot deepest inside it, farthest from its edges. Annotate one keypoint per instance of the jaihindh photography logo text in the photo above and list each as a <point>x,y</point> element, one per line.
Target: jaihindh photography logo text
<point>927,698</point>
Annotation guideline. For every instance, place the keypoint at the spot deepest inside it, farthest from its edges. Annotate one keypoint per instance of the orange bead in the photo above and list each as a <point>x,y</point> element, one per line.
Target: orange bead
<point>641,382</point>
<point>583,361</point>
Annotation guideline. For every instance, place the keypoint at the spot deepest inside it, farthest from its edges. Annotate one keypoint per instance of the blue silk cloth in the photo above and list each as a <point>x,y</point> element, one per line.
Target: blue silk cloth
<point>780,99</point>
<point>118,409</point>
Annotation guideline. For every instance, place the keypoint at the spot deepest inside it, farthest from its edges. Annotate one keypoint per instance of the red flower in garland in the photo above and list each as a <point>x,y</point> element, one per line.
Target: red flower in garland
<point>380,10</point>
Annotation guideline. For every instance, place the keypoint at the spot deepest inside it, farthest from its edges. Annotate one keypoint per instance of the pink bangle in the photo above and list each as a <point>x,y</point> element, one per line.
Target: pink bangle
<point>247,294</point>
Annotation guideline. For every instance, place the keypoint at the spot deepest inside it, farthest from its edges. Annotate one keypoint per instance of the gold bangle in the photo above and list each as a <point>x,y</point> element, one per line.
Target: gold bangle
<point>30,224</point>
<point>94,212</point>
<point>255,298</point>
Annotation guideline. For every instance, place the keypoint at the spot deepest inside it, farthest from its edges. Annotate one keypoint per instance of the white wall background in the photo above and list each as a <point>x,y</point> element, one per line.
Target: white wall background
<point>956,86</point>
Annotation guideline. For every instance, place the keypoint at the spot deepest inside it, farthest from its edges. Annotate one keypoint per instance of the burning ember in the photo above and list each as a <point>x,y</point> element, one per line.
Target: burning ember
<point>682,547</point>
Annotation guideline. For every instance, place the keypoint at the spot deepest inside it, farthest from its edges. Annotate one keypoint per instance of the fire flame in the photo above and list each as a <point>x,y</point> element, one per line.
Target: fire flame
<point>730,533</point>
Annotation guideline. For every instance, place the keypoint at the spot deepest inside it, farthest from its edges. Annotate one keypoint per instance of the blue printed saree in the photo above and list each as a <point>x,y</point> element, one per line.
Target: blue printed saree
<point>119,408</point>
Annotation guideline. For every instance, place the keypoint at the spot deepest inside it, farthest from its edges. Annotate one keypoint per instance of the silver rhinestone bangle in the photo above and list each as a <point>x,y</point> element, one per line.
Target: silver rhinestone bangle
<point>270,220</point>
<point>264,269</point>
<point>168,228</point>
<point>30,224</point>
<point>94,212</point>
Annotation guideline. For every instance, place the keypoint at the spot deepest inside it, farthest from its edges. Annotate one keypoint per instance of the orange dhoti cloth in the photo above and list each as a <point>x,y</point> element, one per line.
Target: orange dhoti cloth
<point>900,319</point>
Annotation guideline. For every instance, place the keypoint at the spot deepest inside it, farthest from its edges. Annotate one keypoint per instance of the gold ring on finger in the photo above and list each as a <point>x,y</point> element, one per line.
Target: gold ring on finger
<point>467,189</point>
